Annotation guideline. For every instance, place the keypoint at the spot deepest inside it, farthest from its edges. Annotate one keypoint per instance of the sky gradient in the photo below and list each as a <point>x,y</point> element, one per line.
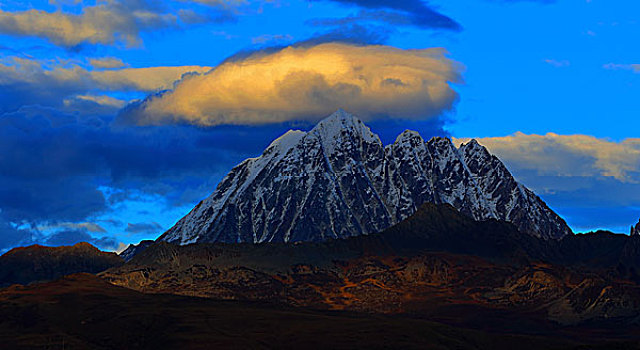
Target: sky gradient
<point>118,116</point>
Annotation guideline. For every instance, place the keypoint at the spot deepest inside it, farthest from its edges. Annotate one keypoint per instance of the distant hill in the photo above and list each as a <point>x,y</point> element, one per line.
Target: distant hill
<point>39,263</point>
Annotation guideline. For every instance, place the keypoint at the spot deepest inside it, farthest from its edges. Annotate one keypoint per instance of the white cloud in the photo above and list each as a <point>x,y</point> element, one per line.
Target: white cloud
<point>558,63</point>
<point>618,66</point>
<point>309,82</point>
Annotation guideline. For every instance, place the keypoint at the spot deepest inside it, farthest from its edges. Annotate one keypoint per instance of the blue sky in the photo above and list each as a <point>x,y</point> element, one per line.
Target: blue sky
<point>106,136</point>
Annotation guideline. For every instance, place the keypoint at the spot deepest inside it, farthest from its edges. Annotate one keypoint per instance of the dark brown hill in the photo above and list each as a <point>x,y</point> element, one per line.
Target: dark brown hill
<point>39,263</point>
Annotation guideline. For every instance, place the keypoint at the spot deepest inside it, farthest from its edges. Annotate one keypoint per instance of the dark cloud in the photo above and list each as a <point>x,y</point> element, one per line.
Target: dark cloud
<point>52,199</point>
<point>52,163</point>
<point>48,92</point>
<point>71,237</point>
<point>396,12</point>
<point>13,237</point>
<point>144,227</point>
<point>350,33</point>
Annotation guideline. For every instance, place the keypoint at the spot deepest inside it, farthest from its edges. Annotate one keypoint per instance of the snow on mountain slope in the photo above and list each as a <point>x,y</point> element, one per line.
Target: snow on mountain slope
<point>338,180</point>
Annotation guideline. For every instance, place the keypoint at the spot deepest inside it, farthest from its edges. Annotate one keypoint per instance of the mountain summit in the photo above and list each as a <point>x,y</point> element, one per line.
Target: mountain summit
<point>338,180</point>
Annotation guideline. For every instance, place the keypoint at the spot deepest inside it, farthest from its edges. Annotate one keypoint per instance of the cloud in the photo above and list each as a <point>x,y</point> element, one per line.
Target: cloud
<point>53,164</point>
<point>617,66</point>
<point>107,22</point>
<point>351,33</point>
<point>270,38</point>
<point>557,63</point>
<point>144,227</point>
<point>399,12</point>
<point>71,237</point>
<point>142,79</point>
<point>10,237</point>
<point>306,83</point>
<point>59,83</point>
<point>88,226</point>
<point>95,100</point>
<point>106,62</point>
<point>583,177</point>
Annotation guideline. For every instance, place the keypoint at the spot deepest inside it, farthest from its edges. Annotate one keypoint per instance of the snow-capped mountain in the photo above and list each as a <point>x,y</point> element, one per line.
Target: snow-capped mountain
<point>338,180</point>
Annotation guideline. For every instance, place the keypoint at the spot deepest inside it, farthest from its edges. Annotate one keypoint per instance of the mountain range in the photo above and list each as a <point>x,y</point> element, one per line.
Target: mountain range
<point>338,180</point>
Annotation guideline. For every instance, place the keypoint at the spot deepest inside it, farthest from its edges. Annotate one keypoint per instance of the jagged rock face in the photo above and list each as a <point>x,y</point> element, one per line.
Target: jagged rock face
<point>338,180</point>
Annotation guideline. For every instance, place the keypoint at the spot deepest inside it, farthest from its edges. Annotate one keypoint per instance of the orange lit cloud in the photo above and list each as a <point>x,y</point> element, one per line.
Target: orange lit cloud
<point>106,23</point>
<point>306,83</point>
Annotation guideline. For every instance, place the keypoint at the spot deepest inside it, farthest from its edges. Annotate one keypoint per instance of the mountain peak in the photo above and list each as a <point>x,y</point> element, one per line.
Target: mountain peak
<point>472,144</point>
<point>341,127</point>
<point>338,181</point>
<point>339,119</point>
<point>408,136</point>
<point>473,147</point>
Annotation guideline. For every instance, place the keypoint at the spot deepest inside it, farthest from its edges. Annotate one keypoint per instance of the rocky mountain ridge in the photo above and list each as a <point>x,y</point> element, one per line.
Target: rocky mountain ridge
<point>338,180</point>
